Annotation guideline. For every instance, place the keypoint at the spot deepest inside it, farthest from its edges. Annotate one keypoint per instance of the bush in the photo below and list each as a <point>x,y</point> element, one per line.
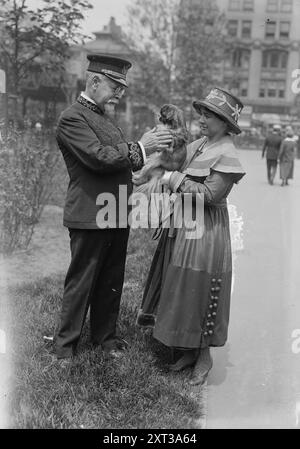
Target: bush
<point>27,163</point>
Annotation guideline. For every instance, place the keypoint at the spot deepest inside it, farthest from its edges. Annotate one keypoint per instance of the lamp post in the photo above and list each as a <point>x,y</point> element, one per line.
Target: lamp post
<point>3,85</point>
<point>4,94</point>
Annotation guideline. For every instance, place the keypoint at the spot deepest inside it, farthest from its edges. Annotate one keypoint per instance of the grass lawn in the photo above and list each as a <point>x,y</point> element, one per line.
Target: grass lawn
<point>135,392</point>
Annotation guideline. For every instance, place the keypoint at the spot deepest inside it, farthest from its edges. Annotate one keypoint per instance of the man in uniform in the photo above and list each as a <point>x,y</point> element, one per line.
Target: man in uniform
<point>99,160</point>
<point>271,148</point>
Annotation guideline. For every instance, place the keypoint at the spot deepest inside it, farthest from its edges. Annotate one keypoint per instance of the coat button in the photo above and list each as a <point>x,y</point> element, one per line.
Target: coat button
<point>213,280</point>
<point>212,289</point>
<point>205,333</point>
<point>209,315</point>
<point>217,289</point>
<point>214,314</point>
<point>210,306</point>
<point>219,281</point>
<point>210,332</point>
<point>212,323</point>
<point>215,304</point>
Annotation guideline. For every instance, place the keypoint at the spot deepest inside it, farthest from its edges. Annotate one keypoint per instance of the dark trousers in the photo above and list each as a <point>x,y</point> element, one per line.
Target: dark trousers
<point>94,279</point>
<point>271,169</point>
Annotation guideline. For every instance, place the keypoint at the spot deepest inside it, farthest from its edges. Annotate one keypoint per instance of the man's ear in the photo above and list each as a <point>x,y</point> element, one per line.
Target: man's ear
<point>96,80</point>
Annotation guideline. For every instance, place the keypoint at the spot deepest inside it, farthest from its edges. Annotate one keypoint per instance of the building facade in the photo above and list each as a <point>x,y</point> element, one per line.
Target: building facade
<point>263,38</point>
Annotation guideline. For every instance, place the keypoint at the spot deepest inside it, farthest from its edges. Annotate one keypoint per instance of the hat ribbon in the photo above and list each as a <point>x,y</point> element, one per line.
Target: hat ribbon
<point>236,110</point>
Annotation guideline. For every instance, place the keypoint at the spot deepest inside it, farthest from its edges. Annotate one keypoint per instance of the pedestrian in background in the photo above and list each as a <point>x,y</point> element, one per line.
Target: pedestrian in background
<point>287,156</point>
<point>271,148</point>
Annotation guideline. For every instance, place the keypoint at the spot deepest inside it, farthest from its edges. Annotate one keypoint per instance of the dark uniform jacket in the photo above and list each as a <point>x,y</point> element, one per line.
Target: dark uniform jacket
<point>98,160</point>
<point>272,146</point>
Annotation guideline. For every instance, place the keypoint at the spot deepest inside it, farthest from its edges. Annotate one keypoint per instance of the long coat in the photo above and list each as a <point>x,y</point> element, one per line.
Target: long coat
<point>286,156</point>
<point>98,160</point>
<point>187,293</point>
<point>272,146</point>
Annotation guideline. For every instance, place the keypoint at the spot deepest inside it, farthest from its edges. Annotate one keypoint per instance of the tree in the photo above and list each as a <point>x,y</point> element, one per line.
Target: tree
<point>200,49</point>
<point>151,36</point>
<point>37,41</point>
<point>177,45</point>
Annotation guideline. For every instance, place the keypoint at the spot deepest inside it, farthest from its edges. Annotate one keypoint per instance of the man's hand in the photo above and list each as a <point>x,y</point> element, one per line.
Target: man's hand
<point>156,140</point>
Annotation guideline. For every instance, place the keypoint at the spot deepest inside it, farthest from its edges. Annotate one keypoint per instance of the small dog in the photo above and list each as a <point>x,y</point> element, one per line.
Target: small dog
<point>171,118</point>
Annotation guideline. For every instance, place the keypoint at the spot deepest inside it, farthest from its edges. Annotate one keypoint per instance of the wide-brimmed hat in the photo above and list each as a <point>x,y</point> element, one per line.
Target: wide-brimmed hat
<point>110,66</point>
<point>225,105</point>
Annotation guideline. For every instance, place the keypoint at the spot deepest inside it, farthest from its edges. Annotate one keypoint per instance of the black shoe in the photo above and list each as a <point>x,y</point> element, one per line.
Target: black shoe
<point>188,359</point>
<point>117,344</point>
<point>202,367</point>
<point>114,353</point>
<point>64,363</point>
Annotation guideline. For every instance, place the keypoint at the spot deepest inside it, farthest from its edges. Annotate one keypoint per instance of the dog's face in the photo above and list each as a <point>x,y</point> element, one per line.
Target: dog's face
<point>172,116</point>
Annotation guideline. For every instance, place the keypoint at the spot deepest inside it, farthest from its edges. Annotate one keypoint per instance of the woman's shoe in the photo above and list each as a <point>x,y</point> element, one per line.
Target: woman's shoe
<point>203,366</point>
<point>188,359</point>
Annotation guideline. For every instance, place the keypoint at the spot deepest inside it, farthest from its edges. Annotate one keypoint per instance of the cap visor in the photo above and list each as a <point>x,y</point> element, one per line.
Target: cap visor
<point>117,80</point>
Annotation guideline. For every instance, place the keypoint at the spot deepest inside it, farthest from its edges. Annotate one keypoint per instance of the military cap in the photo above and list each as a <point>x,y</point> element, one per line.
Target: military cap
<point>110,66</point>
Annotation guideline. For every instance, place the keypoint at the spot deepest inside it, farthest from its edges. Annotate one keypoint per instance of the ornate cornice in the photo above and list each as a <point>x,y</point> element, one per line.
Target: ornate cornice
<point>258,44</point>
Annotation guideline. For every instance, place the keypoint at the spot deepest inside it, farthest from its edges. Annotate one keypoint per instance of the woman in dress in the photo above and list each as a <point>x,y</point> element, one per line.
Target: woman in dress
<point>286,156</point>
<point>187,294</point>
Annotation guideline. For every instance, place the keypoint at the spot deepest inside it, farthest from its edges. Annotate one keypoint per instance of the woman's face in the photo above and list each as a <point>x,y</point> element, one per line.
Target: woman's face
<point>210,124</point>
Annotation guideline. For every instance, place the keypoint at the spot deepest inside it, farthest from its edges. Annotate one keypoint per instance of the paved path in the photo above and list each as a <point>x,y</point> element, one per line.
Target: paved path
<point>255,381</point>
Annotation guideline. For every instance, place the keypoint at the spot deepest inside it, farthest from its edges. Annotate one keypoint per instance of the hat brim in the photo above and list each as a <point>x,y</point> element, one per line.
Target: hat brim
<point>117,80</point>
<point>232,124</point>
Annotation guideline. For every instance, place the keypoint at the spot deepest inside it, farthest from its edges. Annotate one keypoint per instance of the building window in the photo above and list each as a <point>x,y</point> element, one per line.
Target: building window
<point>284,30</point>
<point>286,6</point>
<point>234,5</point>
<point>272,89</point>
<point>241,58</point>
<point>246,28</point>
<point>262,92</point>
<point>274,59</point>
<point>283,60</point>
<point>243,88</point>
<point>272,5</point>
<point>270,30</point>
<point>232,28</point>
<point>248,5</point>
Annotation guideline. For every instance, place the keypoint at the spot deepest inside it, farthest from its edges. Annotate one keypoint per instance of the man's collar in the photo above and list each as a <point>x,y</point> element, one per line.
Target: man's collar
<point>84,100</point>
<point>86,97</point>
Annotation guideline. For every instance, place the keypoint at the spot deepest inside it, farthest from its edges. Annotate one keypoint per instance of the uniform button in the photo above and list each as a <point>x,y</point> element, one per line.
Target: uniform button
<point>219,281</point>
<point>214,314</point>
<point>212,323</point>
<point>207,323</point>
<point>212,289</point>
<point>215,298</point>
<point>210,332</point>
<point>215,304</point>
<point>209,315</point>
<point>212,296</point>
<point>210,306</point>
<point>205,334</point>
<point>213,280</point>
<point>217,289</point>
